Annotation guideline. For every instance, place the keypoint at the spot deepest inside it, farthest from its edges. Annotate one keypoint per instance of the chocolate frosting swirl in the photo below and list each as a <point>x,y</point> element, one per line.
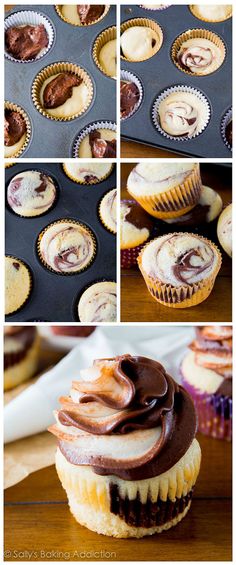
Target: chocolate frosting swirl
<point>134,398</point>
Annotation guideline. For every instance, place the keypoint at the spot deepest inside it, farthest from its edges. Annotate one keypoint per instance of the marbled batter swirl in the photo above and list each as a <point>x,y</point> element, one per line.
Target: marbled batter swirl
<point>126,417</point>
<point>98,303</point>
<point>179,259</point>
<point>200,56</point>
<point>31,193</point>
<point>183,114</point>
<point>67,246</point>
<point>108,210</point>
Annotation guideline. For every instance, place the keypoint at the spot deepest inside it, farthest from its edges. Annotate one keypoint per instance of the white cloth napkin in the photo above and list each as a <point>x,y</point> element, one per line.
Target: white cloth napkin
<point>32,411</point>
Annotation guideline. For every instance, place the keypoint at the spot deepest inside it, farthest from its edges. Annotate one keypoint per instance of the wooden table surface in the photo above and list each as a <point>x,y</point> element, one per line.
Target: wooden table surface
<point>136,150</point>
<point>137,305</point>
<point>39,525</point>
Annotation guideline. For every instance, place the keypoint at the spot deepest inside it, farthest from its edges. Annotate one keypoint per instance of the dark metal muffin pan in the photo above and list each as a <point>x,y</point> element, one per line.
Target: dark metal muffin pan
<point>159,72</point>
<point>72,44</point>
<point>54,296</point>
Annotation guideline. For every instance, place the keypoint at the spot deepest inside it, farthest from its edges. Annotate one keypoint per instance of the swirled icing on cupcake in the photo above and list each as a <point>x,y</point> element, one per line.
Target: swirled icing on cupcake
<point>98,303</point>
<point>183,114</point>
<point>67,246</point>
<point>31,193</point>
<point>127,417</point>
<point>199,56</point>
<point>108,210</point>
<point>179,259</point>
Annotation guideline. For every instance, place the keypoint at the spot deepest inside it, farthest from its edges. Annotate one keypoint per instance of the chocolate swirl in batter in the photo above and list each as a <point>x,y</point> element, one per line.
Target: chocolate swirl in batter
<point>136,395</point>
<point>195,58</point>
<point>67,247</point>
<point>181,118</point>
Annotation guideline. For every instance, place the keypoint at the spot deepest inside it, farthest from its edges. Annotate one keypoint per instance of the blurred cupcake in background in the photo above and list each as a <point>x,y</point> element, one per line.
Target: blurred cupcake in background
<point>21,354</point>
<point>75,331</point>
<point>207,375</point>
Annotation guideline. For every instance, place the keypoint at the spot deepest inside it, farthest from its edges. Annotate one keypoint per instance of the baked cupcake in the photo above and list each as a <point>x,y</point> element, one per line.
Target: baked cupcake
<point>18,284</point>
<point>31,193</point>
<point>21,353</point>
<point>140,39</point>
<point>212,13</point>
<point>135,229</point>
<point>127,454</point>
<point>181,113</point>
<point>165,190</point>
<point>83,14</point>
<point>108,210</point>
<point>26,42</point>
<point>66,247</point>
<point>15,133</point>
<point>99,143</point>
<point>207,209</point>
<point>88,173</point>
<point>207,376</point>
<point>75,331</point>
<point>224,229</point>
<point>98,303</point>
<point>198,52</point>
<point>180,269</point>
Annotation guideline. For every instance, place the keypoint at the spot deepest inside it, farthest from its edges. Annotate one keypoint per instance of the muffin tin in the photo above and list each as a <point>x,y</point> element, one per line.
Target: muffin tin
<point>54,296</point>
<point>159,73</point>
<point>50,138</point>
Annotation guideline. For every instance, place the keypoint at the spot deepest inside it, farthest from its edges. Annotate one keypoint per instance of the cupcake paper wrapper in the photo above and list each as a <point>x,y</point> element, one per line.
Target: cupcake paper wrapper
<point>51,70</point>
<point>14,107</point>
<point>226,119</point>
<point>193,9</point>
<point>128,257</point>
<point>192,34</point>
<point>7,165</point>
<point>214,413</point>
<point>86,131</point>
<point>174,202</point>
<point>69,220</point>
<point>28,17</point>
<point>130,77</point>
<point>165,94</point>
<point>31,283</point>
<point>84,183</point>
<point>155,9</point>
<point>107,35</point>
<point>59,12</point>
<point>146,23</point>
<point>182,296</point>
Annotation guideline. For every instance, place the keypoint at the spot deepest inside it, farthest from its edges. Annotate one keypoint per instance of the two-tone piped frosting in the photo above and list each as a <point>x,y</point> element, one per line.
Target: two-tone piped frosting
<point>208,366</point>
<point>125,417</point>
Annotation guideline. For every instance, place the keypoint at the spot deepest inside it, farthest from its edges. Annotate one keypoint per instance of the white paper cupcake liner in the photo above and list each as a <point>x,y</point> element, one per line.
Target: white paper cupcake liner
<point>130,77</point>
<point>85,131</point>
<point>29,17</point>
<point>165,94</point>
<point>226,119</point>
<point>154,9</point>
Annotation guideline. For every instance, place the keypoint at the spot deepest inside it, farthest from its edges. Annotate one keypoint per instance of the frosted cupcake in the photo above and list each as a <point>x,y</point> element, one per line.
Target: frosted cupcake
<point>108,210</point>
<point>21,353</point>
<point>135,229</point>
<point>165,190</point>
<point>127,454</point>
<point>98,303</point>
<point>207,375</point>
<point>180,268</point>
<point>31,193</point>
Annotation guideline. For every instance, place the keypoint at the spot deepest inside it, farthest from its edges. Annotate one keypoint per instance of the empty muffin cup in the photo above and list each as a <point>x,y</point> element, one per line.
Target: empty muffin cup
<point>104,52</point>
<point>181,118</point>
<point>70,104</point>
<point>198,59</point>
<point>18,147</point>
<point>30,18</point>
<point>155,39</point>
<point>69,14</point>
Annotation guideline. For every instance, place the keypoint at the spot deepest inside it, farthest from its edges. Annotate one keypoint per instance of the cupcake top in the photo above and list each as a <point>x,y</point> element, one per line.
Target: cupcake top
<point>180,259</point>
<point>16,340</point>
<point>26,42</point>
<point>224,229</point>
<point>14,129</point>
<point>107,58</point>
<point>108,209</point>
<point>89,173</point>
<point>99,143</point>
<point>135,224</point>
<point>64,94</point>
<point>129,98</point>
<point>139,43</point>
<point>67,246</point>
<point>31,193</point>
<point>214,13</point>
<point>208,366</point>
<point>183,114</point>
<point>155,178</point>
<point>17,284</point>
<point>125,417</point>
<point>98,303</point>
<point>200,56</point>
<point>82,14</point>
<point>206,210</point>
